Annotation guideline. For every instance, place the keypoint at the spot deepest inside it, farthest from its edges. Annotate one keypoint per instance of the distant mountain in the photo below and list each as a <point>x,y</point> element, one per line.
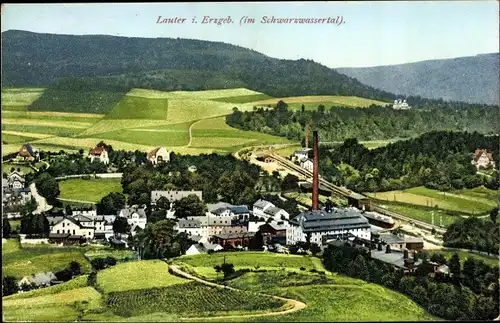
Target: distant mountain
<point>34,59</point>
<point>472,79</point>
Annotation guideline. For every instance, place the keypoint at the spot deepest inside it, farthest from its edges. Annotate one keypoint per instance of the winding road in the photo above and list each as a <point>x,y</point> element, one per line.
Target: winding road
<point>296,305</point>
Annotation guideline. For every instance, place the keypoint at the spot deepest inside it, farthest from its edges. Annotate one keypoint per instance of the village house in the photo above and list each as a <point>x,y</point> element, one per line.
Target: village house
<point>73,227</point>
<point>192,169</point>
<point>254,226</point>
<point>99,153</point>
<point>16,180</point>
<point>483,159</point>
<point>28,153</point>
<point>336,222</point>
<point>222,209</point>
<point>260,207</point>
<point>136,217</point>
<point>307,164</point>
<point>302,154</point>
<point>158,155</point>
<point>202,248</point>
<point>276,214</point>
<point>173,196</point>
<point>14,194</point>
<point>192,227</point>
<point>400,105</point>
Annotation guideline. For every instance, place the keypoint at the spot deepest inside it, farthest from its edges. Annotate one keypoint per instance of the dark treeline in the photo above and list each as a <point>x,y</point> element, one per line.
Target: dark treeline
<point>143,62</point>
<point>438,160</point>
<point>375,123</point>
<point>218,176</point>
<point>474,234</point>
<point>471,293</point>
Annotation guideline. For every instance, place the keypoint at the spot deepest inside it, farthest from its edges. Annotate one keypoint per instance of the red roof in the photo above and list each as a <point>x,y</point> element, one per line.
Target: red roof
<point>97,151</point>
<point>479,152</point>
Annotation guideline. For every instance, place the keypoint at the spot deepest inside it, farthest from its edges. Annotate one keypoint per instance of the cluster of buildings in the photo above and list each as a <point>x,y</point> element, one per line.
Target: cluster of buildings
<point>303,157</point>
<point>87,225</point>
<point>400,105</point>
<point>15,194</point>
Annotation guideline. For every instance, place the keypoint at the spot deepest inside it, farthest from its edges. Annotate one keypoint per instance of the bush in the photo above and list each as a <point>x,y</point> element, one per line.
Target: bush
<point>302,268</point>
<point>110,261</point>
<point>313,270</point>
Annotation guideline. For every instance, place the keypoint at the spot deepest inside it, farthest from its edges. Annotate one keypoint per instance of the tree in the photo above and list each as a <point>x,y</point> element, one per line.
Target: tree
<point>162,204</point>
<point>454,265</point>
<point>75,268</point>
<point>419,294</point>
<point>110,261</point>
<point>315,249</point>
<point>388,249</point>
<point>494,215</point>
<point>111,204</point>
<point>9,285</point>
<point>6,229</point>
<point>359,268</point>
<point>189,206</point>
<point>290,183</point>
<point>121,225</point>
<point>98,263</point>
<point>257,242</point>
<point>227,269</point>
<point>47,186</point>
<point>68,210</point>
<point>157,215</point>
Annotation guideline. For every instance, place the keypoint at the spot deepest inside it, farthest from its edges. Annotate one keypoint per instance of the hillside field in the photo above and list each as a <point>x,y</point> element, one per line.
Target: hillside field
<point>420,202</point>
<point>90,190</point>
<point>146,291</point>
<point>186,122</point>
<point>312,102</point>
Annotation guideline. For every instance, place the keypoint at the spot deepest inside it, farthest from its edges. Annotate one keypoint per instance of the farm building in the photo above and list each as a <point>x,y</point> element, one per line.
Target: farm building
<point>228,210</point>
<point>276,213</point>
<point>274,232</point>
<point>100,153</point>
<point>159,155</point>
<point>28,153</point>
<point>483,158</point>
<point>74,227</point>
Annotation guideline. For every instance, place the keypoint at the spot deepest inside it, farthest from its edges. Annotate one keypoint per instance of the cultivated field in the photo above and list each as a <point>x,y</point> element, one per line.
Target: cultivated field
<point>420,202</point>
<point>312,102</point>
<point>90,190</point>
<point>329,298</point>
<point>141,119</point>
<point>143,274</point>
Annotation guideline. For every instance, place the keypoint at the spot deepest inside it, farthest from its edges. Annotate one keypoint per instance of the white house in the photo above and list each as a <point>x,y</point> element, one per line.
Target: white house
<point>319,223</point>
<point>159,155</point>
<point>192,227</point>
<point>483,159</point>
<point>307,164</point>
<point>88,213</point>
<point>200,248</point>
<point>73,227</point>
<point>99,153</point>
<point>302,154</point>
<point>222,209</point>
<point>16,180</point>
<point>260,207</point>
<point>135,216</point>
<point>276,213</point>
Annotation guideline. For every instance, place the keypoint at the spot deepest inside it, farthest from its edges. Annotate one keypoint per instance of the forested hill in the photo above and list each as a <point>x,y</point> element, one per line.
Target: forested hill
<point>34,59</point>
<point>469,79</point>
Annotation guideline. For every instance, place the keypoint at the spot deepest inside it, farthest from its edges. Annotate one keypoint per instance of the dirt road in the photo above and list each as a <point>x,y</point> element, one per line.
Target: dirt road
<point>295,305</point>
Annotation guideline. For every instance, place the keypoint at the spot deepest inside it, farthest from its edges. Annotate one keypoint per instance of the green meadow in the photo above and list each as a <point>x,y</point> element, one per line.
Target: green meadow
<point>91,190</point>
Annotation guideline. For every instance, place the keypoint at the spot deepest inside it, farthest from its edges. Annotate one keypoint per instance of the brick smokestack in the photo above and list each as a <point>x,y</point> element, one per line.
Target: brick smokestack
<point>315,171</point>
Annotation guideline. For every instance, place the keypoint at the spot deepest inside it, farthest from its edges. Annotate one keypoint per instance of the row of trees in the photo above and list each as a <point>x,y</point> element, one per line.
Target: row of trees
<point>375,123</point>
<point>452,299</point>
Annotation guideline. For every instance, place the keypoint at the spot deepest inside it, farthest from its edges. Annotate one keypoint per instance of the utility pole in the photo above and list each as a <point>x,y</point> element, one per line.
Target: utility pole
<point>432,214</point>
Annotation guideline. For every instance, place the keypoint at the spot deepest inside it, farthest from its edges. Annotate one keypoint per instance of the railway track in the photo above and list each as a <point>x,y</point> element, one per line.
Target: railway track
<point>346,193</point>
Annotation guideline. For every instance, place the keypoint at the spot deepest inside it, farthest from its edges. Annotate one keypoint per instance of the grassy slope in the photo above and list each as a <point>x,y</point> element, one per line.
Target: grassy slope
<point>312,102</point>
<point>139,108</point>
<point>137,275</point>
<point>88,190</point>
<point>338,299</point>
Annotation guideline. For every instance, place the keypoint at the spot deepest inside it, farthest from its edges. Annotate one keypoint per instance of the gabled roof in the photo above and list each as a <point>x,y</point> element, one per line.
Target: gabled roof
<point>235,235</point>
<point>127,213</point>
<point>273,210</point>
<point>153,152</point>
<point>262,204</point>
<point>97,151</point>
<point>29,151</point>
<point>239,209</point>
<point>320,220</point>
<point>81,218</point>
<point>69,219</point>
<point>479,152</point>
<point>184,223</point>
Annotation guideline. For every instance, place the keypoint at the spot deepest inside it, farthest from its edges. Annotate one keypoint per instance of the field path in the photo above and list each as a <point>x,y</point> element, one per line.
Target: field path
<point>77,201</point>
<point>296,305</point>
<point>41,202</point>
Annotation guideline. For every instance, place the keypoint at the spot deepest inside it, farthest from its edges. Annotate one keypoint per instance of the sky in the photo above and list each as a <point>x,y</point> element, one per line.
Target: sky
<point>372,33</point>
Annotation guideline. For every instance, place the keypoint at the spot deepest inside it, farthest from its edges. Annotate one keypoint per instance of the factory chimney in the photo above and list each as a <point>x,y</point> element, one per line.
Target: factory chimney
<point>315,171</point>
